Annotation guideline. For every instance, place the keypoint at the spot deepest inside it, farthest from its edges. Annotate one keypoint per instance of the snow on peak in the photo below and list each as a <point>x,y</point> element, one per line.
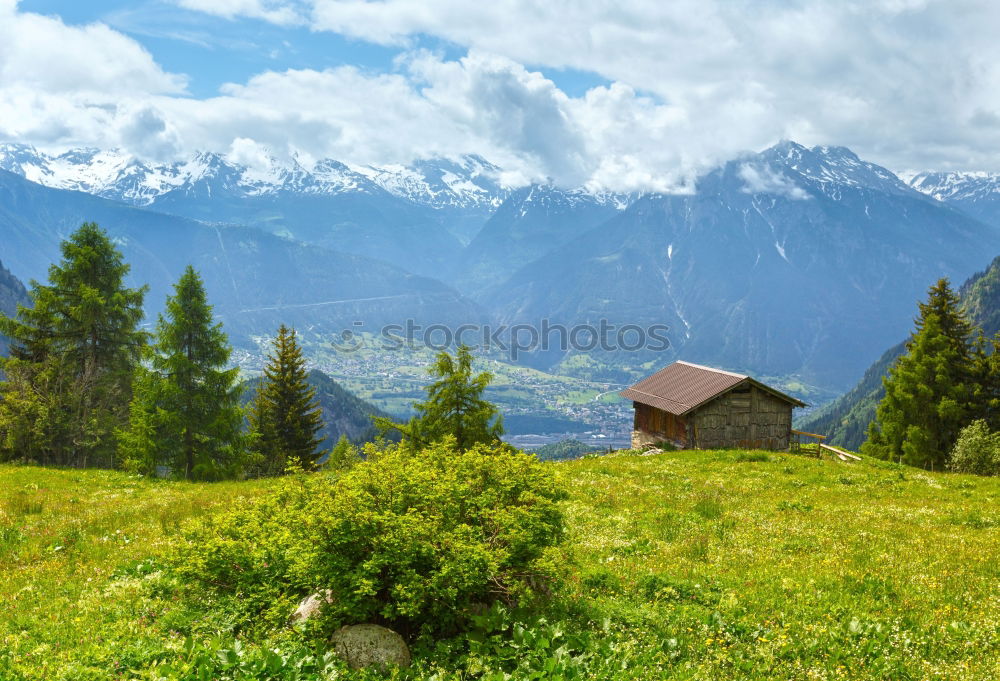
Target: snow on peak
<point>955,186</point>
<point>466,182</point>
<point>827,168</point>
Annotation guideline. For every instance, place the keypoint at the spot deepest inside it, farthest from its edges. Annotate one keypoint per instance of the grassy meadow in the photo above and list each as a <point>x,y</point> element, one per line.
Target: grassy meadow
<point>690,565</point>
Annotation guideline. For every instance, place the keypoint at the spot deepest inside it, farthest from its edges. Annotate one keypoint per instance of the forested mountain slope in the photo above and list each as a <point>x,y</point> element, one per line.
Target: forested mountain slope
<point>846,420</point>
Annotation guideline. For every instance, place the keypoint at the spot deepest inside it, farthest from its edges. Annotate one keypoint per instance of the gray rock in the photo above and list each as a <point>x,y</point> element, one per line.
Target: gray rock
<point>369,645</point>
<point>311,606</point>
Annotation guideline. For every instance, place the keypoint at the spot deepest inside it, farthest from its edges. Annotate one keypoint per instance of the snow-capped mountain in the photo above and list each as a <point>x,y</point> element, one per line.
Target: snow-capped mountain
<point>956,185</point>
<point>976,193</point>
<point>822,169</point>
<point>793,261</point>
<point>468,182</point>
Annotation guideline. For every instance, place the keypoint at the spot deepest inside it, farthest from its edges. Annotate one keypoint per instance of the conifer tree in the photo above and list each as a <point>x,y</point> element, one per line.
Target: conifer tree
<point>986,381</point>
<point>73,354</point>
<point>454,406</point>
<point>285,417</point>
<point>930,393</point>
<point>196,400</point>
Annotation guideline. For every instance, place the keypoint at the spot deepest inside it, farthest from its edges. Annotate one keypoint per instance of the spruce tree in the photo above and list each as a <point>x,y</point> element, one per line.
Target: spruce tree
<point>931,391</point>
<point>285,417</point>
<point>454,406</point>
<point>196,400</point>
<point>73,354</point>
<point>986,381</point>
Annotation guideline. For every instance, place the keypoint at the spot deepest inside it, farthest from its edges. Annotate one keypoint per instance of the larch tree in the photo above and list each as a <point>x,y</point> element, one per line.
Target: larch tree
<point>73,354</point>
<point>285,416</point>
<point>931,391</point>
<point>196,400</point>
<point>454,406</point>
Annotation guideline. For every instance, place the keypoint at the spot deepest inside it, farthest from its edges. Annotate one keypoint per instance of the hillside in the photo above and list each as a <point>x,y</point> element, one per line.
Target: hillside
<point>845,420</point>
<point>700,565</point>
<point>12,293</point>
<point>344,413</point>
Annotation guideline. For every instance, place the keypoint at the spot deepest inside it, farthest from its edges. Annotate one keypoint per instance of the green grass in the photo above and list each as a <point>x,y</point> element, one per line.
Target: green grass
<point>688,565</point>
<point>73,546</point>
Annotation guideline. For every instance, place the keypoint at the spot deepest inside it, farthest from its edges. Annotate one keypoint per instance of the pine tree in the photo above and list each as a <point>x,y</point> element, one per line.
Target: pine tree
<point>73,354</point>
<point>931,391</point>
<point>343,455</point>
<point>285,417</point>
<point>454,406</point>
<point>197,402</point>
<point>139,444</point>
<point>986,381</point>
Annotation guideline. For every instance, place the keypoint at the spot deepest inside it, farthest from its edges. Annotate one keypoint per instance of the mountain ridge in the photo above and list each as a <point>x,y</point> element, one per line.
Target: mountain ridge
<point>814,234</point>
<point>255,280</point>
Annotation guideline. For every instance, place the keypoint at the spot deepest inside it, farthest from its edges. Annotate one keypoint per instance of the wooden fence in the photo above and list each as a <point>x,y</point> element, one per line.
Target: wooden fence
<point>801,442</point>
<point>818,448</point>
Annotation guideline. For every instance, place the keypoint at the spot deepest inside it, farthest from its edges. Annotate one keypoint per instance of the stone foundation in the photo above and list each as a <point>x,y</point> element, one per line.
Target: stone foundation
<point>641,439</point>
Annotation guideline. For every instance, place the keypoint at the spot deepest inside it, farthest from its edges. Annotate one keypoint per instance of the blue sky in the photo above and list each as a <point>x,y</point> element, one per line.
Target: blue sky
<point>213,50</point>
<point>631,94</point>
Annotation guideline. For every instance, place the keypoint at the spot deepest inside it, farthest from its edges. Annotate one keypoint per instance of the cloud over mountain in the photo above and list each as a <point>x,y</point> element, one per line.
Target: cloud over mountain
<point>677,87</point>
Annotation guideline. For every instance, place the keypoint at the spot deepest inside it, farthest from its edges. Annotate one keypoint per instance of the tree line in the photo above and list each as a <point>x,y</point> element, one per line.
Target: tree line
<point>942,396</point>
<point>85,386</point>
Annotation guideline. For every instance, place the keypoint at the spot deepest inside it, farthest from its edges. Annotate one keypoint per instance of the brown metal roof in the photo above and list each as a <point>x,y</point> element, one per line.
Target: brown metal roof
<point>683,386</point>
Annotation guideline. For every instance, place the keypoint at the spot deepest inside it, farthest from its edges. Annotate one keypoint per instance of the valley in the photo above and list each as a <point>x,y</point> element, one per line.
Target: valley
<point>797,265</point>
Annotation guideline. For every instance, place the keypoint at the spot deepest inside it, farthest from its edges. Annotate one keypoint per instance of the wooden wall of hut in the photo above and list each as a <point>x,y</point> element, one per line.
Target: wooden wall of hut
<point>660,424</point>
<point>745,418</point>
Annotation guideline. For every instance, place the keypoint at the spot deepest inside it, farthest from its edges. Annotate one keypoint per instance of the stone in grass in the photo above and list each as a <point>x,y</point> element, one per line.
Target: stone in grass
<point>310,607</point>
<point>369,645</point>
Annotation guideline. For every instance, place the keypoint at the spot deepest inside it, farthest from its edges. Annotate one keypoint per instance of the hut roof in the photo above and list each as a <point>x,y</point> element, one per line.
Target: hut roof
<point>683,387</point>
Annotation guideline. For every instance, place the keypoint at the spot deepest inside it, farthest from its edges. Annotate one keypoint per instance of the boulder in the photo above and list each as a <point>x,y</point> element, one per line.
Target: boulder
<point>310,607</point>
<point>369,645</point>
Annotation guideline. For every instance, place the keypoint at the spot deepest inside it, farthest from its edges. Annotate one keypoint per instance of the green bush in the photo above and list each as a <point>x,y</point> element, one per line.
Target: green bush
<point>414,538</point>
<point>977,450</point>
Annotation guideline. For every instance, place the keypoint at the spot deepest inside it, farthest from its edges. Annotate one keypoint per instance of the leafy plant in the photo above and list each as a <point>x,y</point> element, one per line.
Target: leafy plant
<point>414,537</point>
<point>977,450</point>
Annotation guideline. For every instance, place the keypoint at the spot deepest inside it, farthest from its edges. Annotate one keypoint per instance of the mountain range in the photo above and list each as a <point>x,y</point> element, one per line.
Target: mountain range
<point>795,262</point>
<point>256,280</point>
<point>975,193</point>
<point>791,262</point>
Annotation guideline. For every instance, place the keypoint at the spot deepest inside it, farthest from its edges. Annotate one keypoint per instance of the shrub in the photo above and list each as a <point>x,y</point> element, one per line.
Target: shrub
<point>977,450</point>
<point>414,538</point>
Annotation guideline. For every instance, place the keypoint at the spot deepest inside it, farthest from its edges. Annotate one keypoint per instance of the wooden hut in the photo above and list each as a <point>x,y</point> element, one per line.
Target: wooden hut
<point>697,407</point>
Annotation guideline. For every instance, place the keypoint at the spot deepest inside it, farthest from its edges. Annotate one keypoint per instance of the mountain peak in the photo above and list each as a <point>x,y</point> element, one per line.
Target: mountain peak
<point>825,168</point>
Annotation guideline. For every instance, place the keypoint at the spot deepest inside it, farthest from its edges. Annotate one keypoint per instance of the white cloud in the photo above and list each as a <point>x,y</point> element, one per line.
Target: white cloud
<point>760,179</point>
<point>145,131</point>
<point>275,11</point>
<point>907,83</point>
<point>46,55</point>
<point>902,81</point>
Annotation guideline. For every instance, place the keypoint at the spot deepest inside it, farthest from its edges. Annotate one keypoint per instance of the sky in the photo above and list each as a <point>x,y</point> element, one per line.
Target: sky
<point>624,95</point>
